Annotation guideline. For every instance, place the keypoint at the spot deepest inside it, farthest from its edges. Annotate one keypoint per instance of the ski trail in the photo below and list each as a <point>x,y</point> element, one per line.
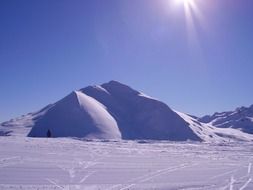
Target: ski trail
<point>88,164</point>
<point>86,177</point>
<point>165,171</point>
<point>54,183</point>
<point>9,158</point>
<point>246,184</point>
<point>151,176</point>
<point>76,167</point>
<point>5,162</point>
<point>249,168</point>
<point>231,184</point>
<point>72,173</point>
<point>223,174</point>
<point>250,179</point>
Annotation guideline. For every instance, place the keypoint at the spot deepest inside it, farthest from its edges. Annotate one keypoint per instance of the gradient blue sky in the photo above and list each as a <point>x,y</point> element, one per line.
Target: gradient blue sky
<point>50,47</point>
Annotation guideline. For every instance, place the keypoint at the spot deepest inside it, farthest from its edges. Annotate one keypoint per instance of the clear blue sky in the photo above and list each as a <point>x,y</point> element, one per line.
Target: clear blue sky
<point>50,47</point>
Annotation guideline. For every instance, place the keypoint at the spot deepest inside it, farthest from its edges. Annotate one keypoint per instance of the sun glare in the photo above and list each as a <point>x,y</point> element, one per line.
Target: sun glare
<point>186,2</point>
<point>192,12</point>
<point>193,17</point>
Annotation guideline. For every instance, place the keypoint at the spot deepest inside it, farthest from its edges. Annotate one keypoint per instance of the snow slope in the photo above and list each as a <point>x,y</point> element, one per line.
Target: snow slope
<point>139,116</point>
<point>116,111</point>
<point>77,115</point>
<point>241,118</point>
<point>21,126</point>
<point>64,163</point>
<point>210,133</point>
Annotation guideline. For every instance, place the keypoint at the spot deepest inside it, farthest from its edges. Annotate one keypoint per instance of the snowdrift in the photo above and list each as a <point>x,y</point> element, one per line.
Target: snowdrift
<point>77,115</point>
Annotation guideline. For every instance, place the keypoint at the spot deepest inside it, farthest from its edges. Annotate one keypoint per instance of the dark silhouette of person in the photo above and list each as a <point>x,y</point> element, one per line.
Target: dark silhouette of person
<point>49,133</point>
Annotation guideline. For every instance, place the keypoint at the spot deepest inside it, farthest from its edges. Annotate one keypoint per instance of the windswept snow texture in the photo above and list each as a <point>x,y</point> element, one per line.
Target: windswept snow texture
<point>139,116</point>
<point>77,115</point>
<point>241,118</point>
<point>63,163</point>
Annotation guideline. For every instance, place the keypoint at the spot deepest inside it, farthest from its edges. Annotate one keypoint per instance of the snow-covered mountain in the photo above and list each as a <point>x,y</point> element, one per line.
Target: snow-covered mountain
<point>140,116</point>
<point>116,111</point>
<point>22,125</point>
<point>77,115</point>
<point>241,118</point>
<point>209,133</point>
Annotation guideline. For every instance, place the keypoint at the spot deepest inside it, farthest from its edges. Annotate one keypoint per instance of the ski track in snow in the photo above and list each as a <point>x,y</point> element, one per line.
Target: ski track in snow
<point>148,177</point>
<point>223,174</point>
<point>55,184</point>
<point>231,184</point>
<point>243,180</point>
<point>8,161</point>
<point>46,164</point>
<point>249,168</point>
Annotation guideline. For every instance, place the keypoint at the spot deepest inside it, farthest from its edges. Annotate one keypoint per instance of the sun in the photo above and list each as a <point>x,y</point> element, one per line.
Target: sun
<point>186,2</point>
<point>193,19</point>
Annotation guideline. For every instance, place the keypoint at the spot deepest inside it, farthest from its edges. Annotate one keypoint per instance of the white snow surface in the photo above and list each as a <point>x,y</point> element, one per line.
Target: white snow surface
<point>77,115</point>
<point>209,133</point>
<point>98,87</point>
<point>22,125</point>
<point>69,164</point>
<point>101,118</point>
<point>146,96</point>
<point>241,118</point>
<point>116,111</point>
<point>139,116</point>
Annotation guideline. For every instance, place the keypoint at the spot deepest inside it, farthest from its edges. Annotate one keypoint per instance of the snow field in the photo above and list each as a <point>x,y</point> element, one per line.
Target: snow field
<point>62,163</point>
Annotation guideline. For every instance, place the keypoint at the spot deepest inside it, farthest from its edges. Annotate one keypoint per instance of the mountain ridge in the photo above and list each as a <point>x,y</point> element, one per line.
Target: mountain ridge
<point>241,118</point>
<point>116,111</point>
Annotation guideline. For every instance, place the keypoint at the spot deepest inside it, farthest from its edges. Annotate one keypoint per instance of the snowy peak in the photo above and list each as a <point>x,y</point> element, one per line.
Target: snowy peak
<point>210,133</point>
<point>95,88</point>
<point>112,110</point>
<point>241,118</point>
<point>117,85</point>
<point>139,116</point>
<point>116,111</point>
<point>119,89</point>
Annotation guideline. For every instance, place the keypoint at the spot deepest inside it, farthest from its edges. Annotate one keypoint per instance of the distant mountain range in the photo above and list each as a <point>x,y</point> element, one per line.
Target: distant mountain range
<point>116,111</point>
<point>241,118</point>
